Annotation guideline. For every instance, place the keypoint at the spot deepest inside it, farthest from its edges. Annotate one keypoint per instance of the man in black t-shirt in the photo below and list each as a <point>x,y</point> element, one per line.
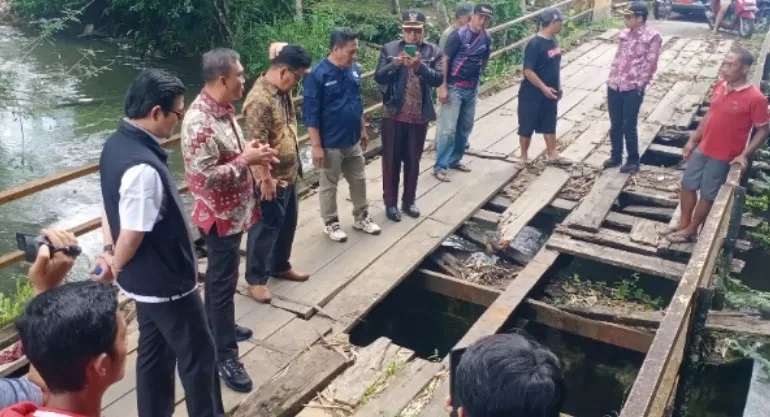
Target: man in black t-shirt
<point>540,91</point>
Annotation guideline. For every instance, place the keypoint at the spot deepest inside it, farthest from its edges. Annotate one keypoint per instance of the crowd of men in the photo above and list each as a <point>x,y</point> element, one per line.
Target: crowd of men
<point>245,183</point>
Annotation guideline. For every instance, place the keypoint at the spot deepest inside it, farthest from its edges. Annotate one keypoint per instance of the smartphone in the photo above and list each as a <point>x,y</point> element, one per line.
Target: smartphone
<point>454,361</point>
<point>410,49</point>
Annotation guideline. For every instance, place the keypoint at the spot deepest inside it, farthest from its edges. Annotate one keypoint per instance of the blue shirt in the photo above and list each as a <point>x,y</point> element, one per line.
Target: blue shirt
<point>332,104</point>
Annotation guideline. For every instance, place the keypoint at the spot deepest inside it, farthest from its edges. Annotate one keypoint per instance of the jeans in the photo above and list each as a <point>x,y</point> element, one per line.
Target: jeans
<point>269,242</point>
<point>221,281</point>
<point>347,162</point>
<point>624,113</point>
<point>455,124</point>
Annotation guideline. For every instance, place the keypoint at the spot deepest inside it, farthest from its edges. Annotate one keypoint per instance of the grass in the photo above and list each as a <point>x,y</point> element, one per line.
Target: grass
<point>11,306</point>
<point>391,370</point>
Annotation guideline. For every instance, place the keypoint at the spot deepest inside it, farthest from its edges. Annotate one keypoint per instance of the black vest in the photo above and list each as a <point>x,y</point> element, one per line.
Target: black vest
<point>165,263</point>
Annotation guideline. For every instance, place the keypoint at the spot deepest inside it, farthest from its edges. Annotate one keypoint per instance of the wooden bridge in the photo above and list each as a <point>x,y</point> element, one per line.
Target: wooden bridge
<point>300,357</point>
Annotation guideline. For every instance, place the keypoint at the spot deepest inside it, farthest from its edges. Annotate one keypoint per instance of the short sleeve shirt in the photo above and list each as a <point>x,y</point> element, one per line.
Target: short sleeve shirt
<point>733,113</point>
<point>543,56</point>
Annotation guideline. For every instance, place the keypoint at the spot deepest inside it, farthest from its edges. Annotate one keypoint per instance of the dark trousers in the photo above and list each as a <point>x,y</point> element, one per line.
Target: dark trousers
<point>175,334</point>
<point>624,114</point>
<point>269,241</point>
<point>402,143</point>
<point>221,282</point>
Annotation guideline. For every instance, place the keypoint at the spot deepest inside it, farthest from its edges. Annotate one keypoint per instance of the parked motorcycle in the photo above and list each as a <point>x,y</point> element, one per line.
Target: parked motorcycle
<point>740,16</point>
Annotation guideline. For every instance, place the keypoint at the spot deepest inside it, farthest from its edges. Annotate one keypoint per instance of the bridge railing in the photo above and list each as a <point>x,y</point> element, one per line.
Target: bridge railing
<point>577,9</point>
<point>655,392</point>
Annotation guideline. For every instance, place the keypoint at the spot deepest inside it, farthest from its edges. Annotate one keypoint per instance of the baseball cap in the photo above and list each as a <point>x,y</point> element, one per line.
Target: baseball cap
<point>637,8</point>
<point>485,9</point>
<point>463,9</point>
<point>413,18</point>
<point>550,15</point>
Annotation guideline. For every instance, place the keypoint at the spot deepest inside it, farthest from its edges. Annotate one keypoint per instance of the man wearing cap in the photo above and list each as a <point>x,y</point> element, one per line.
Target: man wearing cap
<point>541,89</point>
<point>466,55</point>
<point>632,70</point>
<point>406,70</point>
<point>463,13</point>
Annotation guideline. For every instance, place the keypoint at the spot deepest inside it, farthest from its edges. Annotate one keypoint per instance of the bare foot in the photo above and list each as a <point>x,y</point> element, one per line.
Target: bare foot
<point>682,236</point>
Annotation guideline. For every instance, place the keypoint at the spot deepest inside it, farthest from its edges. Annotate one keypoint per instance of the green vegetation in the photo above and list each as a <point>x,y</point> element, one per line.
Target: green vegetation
<point>627,290</point>
<point>12,306</point>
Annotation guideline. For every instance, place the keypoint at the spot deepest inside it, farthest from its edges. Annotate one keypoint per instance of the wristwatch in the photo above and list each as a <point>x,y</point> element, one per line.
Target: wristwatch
<point>109,249</point>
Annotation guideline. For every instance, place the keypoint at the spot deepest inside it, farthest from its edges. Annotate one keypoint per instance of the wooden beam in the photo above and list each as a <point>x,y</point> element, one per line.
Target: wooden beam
<point>591,212</point>
<point>621,259</point>
<point>652,196</point>
<point>455,288</point>
<point>610,238</point>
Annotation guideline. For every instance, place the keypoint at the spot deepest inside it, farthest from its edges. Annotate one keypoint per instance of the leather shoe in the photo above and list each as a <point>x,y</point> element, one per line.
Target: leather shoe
<point>292,275</point>
<point>411,210</point>
<point>393,214</point>
<point>260,293</point>
<point>242,333</point>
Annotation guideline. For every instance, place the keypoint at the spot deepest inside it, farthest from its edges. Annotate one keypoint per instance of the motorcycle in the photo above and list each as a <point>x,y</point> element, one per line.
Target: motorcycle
<point>763,15</point>
<point>740,16</point>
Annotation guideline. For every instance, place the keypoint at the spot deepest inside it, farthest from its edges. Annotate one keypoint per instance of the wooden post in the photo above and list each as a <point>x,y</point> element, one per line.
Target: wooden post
<point>602,10</point>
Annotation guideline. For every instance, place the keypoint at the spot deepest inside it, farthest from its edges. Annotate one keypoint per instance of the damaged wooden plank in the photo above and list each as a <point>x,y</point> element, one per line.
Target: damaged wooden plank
<point>408,383</point>
<point>591,212</point>
<point>284,395</point>
<point>622,259</point>
<point>537,195</point>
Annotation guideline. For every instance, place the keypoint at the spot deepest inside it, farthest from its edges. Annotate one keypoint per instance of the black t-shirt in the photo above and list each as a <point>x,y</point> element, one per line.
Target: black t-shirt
<point>452,48</point>
<point>543,56</point>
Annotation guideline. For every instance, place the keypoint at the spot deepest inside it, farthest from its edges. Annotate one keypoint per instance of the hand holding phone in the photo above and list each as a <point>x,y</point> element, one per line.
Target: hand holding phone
<point>410,50</point>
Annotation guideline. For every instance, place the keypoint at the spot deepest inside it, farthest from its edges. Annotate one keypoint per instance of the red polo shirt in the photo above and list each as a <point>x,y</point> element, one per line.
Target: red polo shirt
<point>732,114</point>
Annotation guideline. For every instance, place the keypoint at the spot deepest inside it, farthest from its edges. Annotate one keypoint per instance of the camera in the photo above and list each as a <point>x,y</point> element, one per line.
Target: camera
<point>30,244</point>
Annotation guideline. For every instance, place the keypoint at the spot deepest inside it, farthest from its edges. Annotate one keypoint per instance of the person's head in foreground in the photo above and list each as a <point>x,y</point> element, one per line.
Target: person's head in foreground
<point>288,66</point>
<point>223,75</point>
<point>155,102</point>
<point>509,375</point>
<point>482,15</point>
<point>736,66</point>
<point>635,15</point>
<point>343,47</point>
<point>412,26</point>
<point>551,21</point>
<point>75,336</point>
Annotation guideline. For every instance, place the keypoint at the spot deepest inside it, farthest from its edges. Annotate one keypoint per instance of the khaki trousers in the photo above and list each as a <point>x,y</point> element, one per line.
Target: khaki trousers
<point>347,162</point>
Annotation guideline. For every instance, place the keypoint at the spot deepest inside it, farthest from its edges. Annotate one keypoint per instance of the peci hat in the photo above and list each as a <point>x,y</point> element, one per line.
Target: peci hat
<point>550,15</point>
<point>463,9</point>
<point>484,9</point>
<point>637,8</point>
<point>413,18</point>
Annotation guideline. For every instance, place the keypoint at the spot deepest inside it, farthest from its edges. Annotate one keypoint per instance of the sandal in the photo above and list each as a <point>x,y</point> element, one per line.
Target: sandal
<point>462,167</point>
<point>679,237</point>
<point>442,176</point>
<point>559,161</point>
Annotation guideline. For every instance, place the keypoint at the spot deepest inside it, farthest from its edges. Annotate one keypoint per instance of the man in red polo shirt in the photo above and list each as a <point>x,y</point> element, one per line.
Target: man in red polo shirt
<point>720,141</point>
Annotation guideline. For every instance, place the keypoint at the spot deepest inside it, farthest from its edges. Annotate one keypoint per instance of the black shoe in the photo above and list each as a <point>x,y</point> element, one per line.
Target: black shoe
<point>630,168</point>
<point>234,374</point>
<point>242,333</point>
<point>612,163</point>
<point>411,210</point>
<point>393,214</point>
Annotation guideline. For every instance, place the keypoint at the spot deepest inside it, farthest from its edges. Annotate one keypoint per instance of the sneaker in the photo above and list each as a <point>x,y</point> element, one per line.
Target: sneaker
<point>367,225</point>
<point>335,232</point>
<point>242,333</point>
<point>612,163</point>
<point>630,168</point>
<point>234,374</point>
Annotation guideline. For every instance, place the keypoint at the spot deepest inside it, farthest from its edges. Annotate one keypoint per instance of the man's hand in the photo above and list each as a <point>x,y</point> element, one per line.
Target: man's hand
<point>741,160</point>
<point>400,59</point>
<point>414,62</point>
<point>448,406</point>
<point>103,262</point>
<point>443,94</point>
<point>275,49</point>
<point>267,189</point>
<point>49,269</point>
<point>259,154</point>
<point>364,138</point>
<point>688,149</point>
<point>550,93</point>
<point>318,155</point>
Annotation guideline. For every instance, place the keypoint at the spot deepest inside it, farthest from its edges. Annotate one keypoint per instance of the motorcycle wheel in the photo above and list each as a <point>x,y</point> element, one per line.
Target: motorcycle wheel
<point>745,27</point>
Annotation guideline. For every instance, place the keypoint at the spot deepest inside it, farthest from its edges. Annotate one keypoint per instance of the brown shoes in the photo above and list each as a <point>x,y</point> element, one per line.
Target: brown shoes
<point>293,275</point>
<point>260,293</point>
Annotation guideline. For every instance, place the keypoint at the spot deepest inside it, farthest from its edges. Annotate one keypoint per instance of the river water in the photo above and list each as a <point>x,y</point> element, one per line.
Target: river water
<point>77,114</point>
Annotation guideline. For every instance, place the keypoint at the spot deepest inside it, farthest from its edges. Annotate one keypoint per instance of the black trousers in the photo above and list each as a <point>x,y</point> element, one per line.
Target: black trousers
<point>402,143</point>
<point>221,281</point>
<point>624,114</point>
<point>269,242</point>
<point>175,334</point>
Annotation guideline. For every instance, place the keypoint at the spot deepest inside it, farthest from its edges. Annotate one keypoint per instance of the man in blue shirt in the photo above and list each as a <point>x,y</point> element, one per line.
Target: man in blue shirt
<point>333,111</point>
